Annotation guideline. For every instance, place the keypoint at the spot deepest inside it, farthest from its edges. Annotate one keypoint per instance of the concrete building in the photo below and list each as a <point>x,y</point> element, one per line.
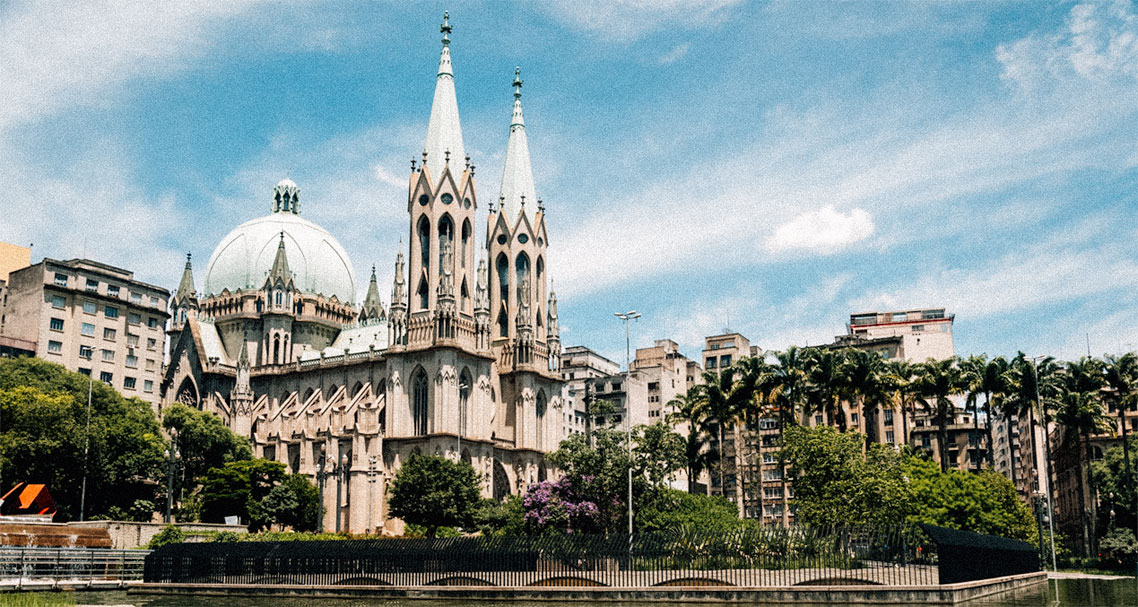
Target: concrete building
<point>579,364</point>
<point>667,374</point>
<point>92,318</point>
<point>967,448</point>
<point>464,363</point>
<point>914,335</point>
<point>12,258</point>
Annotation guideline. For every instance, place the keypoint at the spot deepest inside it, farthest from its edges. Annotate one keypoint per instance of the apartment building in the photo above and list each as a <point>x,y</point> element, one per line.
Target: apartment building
<point>92,318</point>
<point>578,365</point>
<point>914,335</point>
<point>668,374</point>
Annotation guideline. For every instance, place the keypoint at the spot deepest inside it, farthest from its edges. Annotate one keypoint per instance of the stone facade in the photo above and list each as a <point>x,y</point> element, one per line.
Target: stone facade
<point>464,363</point>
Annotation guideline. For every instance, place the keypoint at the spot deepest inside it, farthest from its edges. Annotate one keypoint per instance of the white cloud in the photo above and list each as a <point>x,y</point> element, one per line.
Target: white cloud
<point>675,54</point>
<point>389,178</point>
<point>1099,43</point>
<point>825,230</point>
<point>71,53</point>
<point>626,20</point>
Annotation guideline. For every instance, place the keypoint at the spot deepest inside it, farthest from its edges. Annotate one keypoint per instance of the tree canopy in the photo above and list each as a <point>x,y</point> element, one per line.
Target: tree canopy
<point>433,492</point>
<point>259,492</point>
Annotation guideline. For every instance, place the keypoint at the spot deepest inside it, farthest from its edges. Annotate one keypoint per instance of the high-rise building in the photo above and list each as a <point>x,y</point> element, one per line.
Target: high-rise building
<point>579,365</point>
<point>92,318</point>
<point>914,335</point>
<point>668,374</point>
<point>464,363</point>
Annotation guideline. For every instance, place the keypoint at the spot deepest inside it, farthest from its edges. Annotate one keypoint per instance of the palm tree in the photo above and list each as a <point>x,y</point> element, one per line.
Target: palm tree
<point>1081,414</point>
<point>788,387</point>
<point>690,408</point>
<point>1121,376</point>
<point>829,384</point>
<point>938,380</point>
<point>753,399</point>
<point>988,378</point>
<point>721,394</point>
<point>901,377</point>
<point>866,389</point>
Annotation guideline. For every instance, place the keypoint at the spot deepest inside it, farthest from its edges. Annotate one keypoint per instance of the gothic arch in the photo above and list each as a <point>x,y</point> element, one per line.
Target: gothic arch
<point>501,481</point>
<point>357,388</point>
<point>521,265</point>
<point>425,242</point>
<point>419,403</point>
<point>503,265</point>
<point>188,394</point>
<point>307,395</point>
<point>465,385</point>
<point>467,233</point>
<point>540,268</point>
<point>422,293</point>
<point>540,410</point>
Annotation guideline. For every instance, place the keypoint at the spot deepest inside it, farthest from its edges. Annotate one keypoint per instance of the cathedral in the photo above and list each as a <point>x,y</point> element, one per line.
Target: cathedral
<point>464,363</point>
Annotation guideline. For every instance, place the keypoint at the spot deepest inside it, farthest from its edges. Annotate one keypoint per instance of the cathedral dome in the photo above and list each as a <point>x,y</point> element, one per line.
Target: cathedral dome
<point>243,259</point>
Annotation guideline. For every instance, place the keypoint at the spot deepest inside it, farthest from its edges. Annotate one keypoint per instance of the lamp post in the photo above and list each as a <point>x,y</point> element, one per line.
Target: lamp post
<point>1047,461</point>
<point>86,440</point>
<point>171,454</point>
<point>321,478</point>
<point>341,472</point>
<point>372,462</point>
<point>627,316</point>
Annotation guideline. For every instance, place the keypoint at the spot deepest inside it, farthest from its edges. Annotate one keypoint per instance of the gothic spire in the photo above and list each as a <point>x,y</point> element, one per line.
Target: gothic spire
<point>373,305</point>
<point>280,264</point>
<point>517,174</point>
<point>185,290</point>
<point>444,133</point>
<point>398,293</point>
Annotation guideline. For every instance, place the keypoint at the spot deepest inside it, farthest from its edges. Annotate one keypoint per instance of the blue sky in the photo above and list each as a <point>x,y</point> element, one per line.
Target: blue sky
<point>767,167</point>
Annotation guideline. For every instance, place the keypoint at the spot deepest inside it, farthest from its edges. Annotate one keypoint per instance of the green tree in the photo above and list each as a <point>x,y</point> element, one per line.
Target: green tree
<point>987,378</point>
<point>788,386</point>
<point>1080,413</point>
<point>938,380</point>
<point>838,480</point>
<point>983,502</point>
<point>43,408</point>
<point>434,492</point>
<point>688,411</point>
<point>203,442</point>
<point>258,491</point>
<point>902,379</point>
<point>674,510</point>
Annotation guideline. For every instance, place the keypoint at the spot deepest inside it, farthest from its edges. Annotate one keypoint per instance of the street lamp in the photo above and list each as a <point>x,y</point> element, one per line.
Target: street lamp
<point>86,438</point>
<point>627,316</point>
<point>1047,460</point>
<point>171,454</point>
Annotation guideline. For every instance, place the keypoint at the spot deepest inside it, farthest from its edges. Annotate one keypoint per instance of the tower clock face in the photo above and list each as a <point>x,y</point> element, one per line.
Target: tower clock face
<point>447,198</point>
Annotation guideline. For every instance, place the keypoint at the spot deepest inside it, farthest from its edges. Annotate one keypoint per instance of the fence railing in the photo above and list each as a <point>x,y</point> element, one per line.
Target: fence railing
<point>23,565</point>
<point>768,556</point>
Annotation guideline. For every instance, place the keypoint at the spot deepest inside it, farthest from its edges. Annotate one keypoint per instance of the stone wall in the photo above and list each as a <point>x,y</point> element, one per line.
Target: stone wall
<point>126,534</point>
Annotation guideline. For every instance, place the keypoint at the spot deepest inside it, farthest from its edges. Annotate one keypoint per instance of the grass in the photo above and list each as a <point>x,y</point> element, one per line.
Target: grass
<point>37,599</point>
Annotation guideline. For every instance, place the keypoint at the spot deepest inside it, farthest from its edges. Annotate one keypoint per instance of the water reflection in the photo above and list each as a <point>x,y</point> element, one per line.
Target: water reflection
<point>1071,593</point>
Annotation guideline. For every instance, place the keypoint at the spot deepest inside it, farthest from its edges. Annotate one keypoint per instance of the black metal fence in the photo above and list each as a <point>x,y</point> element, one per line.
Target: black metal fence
<point>768,556</point>
<point>967,556</point>
<point>19,566</point>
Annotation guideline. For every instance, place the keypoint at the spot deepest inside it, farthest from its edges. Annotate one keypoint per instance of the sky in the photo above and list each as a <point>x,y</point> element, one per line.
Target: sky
<point>761,167</point>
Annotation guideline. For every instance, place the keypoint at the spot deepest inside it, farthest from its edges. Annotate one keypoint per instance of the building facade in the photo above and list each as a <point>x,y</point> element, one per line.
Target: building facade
<point>914,335</point>
<point>464,363</point>
<point>92,318</point>
<point>579,364</point>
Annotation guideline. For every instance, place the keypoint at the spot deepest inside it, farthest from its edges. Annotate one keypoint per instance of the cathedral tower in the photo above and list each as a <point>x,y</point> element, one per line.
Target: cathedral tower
<point>442,203</point>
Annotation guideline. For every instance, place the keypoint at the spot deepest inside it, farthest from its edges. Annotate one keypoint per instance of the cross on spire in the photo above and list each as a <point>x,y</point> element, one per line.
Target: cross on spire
<point>517,83</point>
<point>446,28</point>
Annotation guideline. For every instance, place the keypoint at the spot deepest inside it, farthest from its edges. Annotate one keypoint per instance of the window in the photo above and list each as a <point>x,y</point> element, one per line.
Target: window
<point>58,301</point>
<point>60,280</point>
<point>128,383</point>
<point>148,386</point>
<point>152,323</point>
<point>153,302</point>
<point>818,420</point>
<point>132,340</point>
<point>889,437</point>
<point>132,361</point>
<point>88,329</point>
<point>725,361</point>
<point>151,343</point>
<point>92,285</point>
<point>57,324</point>
<point>136,298</point>
<point>900,317</point>
<point>419,403</point>
<point>54,347</point>
<point>151,364</point>
<point>86,352</point>
<point>89,307</point>
<point>108,355</point>
<point>112,291</point>
<point>888,417</point>
<point>110,311</point>
<point>106,376</point>
<point>918,328</point>
<point>109,334</point>
<point>616,386</point>
<point>83,371</point>
<point>711,363</point>
<point>134,318</point>
<point>853,418</point>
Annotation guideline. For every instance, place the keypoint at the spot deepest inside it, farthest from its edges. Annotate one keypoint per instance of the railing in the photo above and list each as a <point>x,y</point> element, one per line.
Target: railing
<point>69,566</point>
<point>756,557</point>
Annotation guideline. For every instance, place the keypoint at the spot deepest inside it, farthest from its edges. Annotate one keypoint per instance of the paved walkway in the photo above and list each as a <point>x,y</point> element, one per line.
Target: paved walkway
<point>1079,575</point>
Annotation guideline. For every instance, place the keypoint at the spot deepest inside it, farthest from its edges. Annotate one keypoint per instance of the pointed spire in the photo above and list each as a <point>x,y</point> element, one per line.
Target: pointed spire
<point>444,132</point>
<point>373,305</point>
<point>186,290</point>
<point>398,292</point>
<point>243,358</point>
<point>517,174</point>
<point>280,264</point>
<point>286,197</point>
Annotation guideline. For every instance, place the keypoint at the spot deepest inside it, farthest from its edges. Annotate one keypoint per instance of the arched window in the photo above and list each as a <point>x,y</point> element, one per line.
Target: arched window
<point>419,402</point>
<point>503,323</point>
<point>464,294</point>
<point>277,350</point>
<point>446,234</point>
<point>540,420</point>
<point>540,268</point>
<point>422,293</point>
<point>466,233</point>
<point>425,242</point>
<point>464,384</point>
<point>503,279</point>
<point>522,269</point>
<point>279,297</point>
